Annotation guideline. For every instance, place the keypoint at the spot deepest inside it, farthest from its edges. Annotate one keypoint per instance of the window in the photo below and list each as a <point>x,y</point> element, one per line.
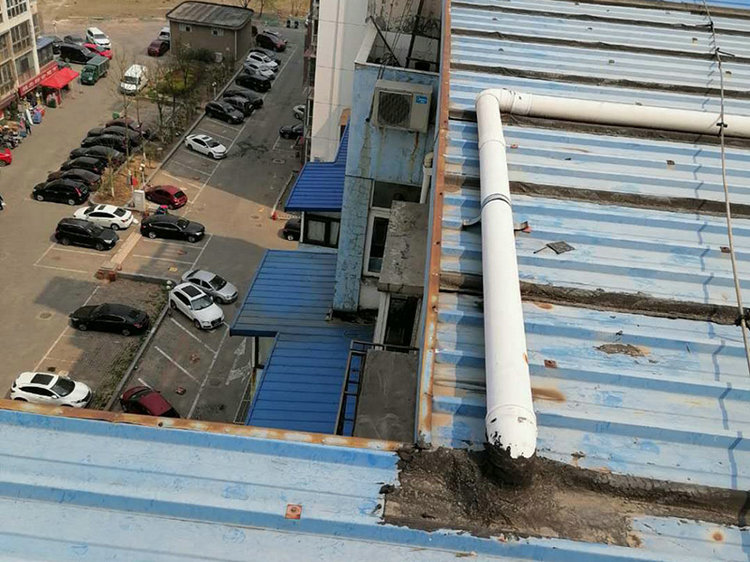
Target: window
<point>402,311</point>
<point>24,67</point>
<point>6,77</point>
<point>5,46</point>
<point>185,27</point>
<point>45,55</point>
<point>16,7</point>
<point>20,36</point>
<point>376,234</point>
<point>321,230</point>
<point>217,32</point>
<point>384,194</point>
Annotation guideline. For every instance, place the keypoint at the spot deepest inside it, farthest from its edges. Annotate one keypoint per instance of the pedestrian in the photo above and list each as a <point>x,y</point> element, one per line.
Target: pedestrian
<point>54,27</point>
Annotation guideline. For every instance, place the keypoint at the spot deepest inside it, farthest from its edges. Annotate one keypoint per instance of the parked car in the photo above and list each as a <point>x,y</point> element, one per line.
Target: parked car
<point>108,317</point>
<point>74,39</point>
<point>131,124</point>
<point>270,53</point>
<point>219,288</point>
<point>198,306</point>
<point>146,402</point>
<point>299,112</point>
<point>134,80</point>
<point>261,69</point>
<point>253,82</point>
<point>134,137</point>
<point>241,104</point>
<point>292,229</point>
<point>291,131</point>
<point>169,195</point>
<point>157,48</point>
<point>101,51</point>
<point>98,37</point>
<point>75,53</point>
<point>225,112</point>
<point>61,191</point>
<point>270,40</point>
<point>101,153</point>
<point>91,179</point>
<point>165,34</point>
<point>56,42</point>
<point>49,388</point>
<point>6,157</point>
<point>262,58</point>
<point>170,226</point>
<point>85,163</point>
<point>107,216</point>
<point>110,141</point>
<point>80,232</point>
<point>96,68</point>
<point>204,144</point>
<point>249,95</point>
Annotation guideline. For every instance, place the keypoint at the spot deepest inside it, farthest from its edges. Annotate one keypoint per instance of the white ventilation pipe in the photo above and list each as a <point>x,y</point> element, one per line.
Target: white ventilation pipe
<point>617,114</point>
<point>510,422</point>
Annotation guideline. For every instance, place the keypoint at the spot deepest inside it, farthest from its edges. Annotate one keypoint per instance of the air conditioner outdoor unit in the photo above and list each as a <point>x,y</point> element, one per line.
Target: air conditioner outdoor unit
<point>400,105</point>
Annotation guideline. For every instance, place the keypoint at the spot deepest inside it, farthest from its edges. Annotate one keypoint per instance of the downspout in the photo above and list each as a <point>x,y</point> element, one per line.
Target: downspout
<point>426,177</point>
<point>510,423</point>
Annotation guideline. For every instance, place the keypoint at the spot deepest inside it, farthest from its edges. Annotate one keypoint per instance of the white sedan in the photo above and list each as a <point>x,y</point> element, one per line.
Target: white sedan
<point>196,305</point>
<point>204,144</point>
<point>260,58</point>
<point>107,216</point>
<point>299,112</point>
<point>260,68</point>
<point>52,389</point>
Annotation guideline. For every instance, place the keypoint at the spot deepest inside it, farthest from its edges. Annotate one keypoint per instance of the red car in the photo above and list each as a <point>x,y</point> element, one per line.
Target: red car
<point>169,195</point>
<point>98,50</point>
<point>146,401</point>
<point>6,157</point>
<point>270,40</point>
<point>158,47</point>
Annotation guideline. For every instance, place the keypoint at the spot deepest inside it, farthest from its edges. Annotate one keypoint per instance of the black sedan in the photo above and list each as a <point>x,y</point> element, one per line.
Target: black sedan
<point>238,91</point>
<point>224,111</point>
<point>291,131</point>
<point>85,163</point>
<point>171,226</point>
<point>109,141</point>
<point>77,174</point>
<point>100,153</point>
<point>118,318</point>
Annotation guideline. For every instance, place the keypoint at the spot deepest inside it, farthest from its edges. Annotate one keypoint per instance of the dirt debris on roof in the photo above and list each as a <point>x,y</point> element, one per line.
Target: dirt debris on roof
<point>454,489</point>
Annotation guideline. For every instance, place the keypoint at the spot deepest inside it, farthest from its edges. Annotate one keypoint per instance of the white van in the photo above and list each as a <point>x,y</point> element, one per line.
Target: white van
<point>134,80</point>
<point>164,34</point>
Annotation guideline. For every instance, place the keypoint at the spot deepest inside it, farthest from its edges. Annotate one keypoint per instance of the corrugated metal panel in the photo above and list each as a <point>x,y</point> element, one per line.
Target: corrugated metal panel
<point>665,399</point>
<point>320,185</point>
<point>691,42</point>
<point>206,13</point>
<point>597,64</point>
<point>290,299</point>
<point>88,490</point>
<point>617,164</point>
<point>661,254</point>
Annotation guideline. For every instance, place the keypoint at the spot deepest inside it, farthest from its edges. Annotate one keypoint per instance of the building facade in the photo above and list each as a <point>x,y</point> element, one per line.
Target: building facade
<point>19,62</point>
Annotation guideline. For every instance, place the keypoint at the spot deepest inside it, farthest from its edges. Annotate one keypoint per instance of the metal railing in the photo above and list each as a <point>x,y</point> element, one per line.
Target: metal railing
<point>346,418</point>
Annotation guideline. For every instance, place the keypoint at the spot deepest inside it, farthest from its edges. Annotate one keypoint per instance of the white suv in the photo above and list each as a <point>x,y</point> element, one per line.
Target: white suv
<point>196,305</point>
<point>98,37</point>
<point>260,58</point>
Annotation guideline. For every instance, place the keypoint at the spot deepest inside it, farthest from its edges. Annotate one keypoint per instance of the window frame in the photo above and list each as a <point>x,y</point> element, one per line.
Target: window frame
<point>375,213</point>
<point>327,230</point>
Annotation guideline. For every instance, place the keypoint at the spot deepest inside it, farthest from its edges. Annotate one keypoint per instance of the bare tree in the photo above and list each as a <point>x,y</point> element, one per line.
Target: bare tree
<point>244,3</point>
<point>296,7</point>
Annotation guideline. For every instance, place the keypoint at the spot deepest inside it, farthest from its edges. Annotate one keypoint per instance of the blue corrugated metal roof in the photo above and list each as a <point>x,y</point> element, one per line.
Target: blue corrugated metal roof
<point>320,185</point>
<point>614,391</point>
<point>74,489</point>
<point>290,299</point>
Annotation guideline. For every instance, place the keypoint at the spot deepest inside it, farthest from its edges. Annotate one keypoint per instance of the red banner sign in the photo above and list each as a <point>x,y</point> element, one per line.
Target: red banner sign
<point>47,70</point>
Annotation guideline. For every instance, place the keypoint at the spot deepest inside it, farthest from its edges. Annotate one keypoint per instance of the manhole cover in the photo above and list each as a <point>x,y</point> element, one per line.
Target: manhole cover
<point>45,315</point>
<point>278,160</point>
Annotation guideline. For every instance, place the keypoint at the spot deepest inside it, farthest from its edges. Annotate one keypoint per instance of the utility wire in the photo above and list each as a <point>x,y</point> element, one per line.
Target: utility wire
<point>727,206</point>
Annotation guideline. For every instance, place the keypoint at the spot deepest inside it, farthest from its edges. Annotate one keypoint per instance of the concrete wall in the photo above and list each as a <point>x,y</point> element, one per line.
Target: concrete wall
<point>200,37</point>
<point>341,29</point>
<point>387,155</point>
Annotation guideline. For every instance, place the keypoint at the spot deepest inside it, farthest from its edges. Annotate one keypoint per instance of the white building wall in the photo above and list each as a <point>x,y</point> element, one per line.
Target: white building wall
<point>341,30</point>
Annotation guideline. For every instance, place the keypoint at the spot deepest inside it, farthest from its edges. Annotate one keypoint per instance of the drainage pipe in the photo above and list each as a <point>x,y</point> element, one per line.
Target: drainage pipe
<point>618,114</point>
<point>426,177</point>
<point>510,422</point>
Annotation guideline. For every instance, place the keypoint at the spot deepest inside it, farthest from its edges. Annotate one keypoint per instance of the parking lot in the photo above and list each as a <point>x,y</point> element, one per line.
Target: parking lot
<point>232,197</point>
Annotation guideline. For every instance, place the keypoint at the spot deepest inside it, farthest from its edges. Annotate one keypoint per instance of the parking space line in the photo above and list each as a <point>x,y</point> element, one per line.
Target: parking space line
<point>195,261</point>
<point>208,373</point>
<point>191,182</point>
<point>176,364</point>
<point>177,244</point>
<point>144,383</point>
<point>212,134</point>
<point>276,143</point>
<point>196,170</point>
<point>78,252</point>
<point>192,335</point>
<point>160,259</point>
<point>45,253</point>
<point>62,268</point>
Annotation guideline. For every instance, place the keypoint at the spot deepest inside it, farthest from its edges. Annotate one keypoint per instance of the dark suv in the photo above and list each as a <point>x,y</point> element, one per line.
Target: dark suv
<point>254,82</point>
<point>75,53</point>
<point>80,232</point>
<point>270,40</point>
<point>235,91</point>
<point>61,191</point>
